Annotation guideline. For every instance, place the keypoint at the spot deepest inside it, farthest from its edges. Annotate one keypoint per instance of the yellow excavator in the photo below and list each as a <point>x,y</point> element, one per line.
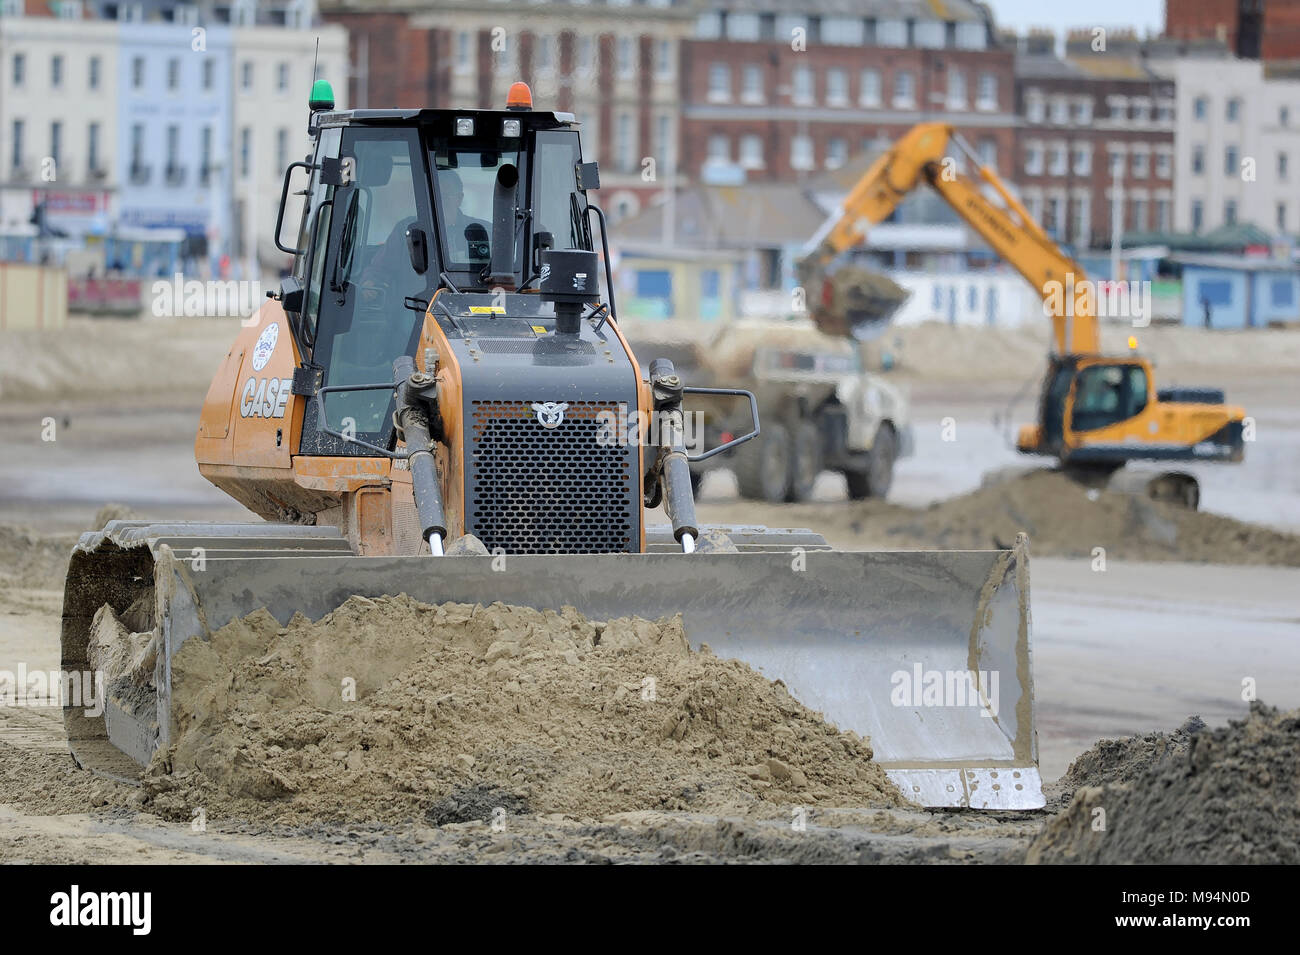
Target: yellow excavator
<point>1096,412</point>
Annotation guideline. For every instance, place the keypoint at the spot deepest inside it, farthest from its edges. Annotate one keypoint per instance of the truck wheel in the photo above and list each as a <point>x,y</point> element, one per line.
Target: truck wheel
<point>807,461</point>
<point>763,465</point>
<point>879,474</point>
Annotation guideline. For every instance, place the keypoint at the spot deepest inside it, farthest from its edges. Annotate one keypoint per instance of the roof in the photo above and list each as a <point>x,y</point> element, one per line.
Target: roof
<point>1227,238</point>
<point>1233,263</point>
<point>954,10</point>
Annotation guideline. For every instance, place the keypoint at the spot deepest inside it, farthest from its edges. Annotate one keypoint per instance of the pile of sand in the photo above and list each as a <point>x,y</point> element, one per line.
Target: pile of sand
<point>1228,795</point>
<point>460,710</point>
<point>1065,519</point>
<point>33,561</point>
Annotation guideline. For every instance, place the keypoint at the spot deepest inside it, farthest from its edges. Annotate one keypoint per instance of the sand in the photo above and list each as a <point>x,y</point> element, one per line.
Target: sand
<point>1228,795</point>
<point>461,711</point>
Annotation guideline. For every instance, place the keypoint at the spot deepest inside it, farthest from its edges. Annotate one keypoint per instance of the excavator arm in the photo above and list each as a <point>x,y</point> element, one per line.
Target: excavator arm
<point>922,155</point>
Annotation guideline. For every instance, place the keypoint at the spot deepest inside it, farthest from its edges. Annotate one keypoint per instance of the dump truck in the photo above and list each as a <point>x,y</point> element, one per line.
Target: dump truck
<point>821,409</point>
<point>438,401</point>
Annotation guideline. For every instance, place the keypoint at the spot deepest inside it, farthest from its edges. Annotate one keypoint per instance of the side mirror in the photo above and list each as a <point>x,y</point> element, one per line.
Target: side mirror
<point>588,176</point>
<point>417,245</point>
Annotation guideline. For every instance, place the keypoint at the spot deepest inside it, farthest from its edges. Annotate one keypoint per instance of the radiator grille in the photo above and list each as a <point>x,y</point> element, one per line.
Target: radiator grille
<point>560,490</point>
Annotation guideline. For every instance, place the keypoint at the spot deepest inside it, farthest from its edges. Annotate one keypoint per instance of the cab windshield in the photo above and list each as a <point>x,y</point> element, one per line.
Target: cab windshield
<point>465,178</point>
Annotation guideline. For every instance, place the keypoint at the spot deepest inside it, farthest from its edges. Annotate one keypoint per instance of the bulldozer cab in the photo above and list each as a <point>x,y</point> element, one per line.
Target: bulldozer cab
<point>401,204</point>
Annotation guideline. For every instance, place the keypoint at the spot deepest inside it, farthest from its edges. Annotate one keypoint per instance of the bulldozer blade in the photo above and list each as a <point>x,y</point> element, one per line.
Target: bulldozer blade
<point>926,653</point>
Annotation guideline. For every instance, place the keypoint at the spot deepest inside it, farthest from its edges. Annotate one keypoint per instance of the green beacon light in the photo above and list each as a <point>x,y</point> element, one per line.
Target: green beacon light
<point>322,96</point>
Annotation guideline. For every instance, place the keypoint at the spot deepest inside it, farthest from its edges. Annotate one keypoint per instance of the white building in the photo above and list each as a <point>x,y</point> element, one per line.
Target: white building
<point>272,82</point>
<point>1237,146</point>
<point>58,118</point>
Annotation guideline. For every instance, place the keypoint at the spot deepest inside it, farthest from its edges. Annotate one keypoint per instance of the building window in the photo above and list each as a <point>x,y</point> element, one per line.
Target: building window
<point>1198,160</point>
<point>928,34</point>
<point>1198,215</point>
<point>837,87</point>
<point>138,172</point>
<point>871,89</point>
<point>837,152</point>
<point>1033,159</point>
<point>1141,164</point>
<point>904,90</point>
<point>172,171</point>
<point>752,84</point>
<point>1230,212</point>
<point>245,151</point>
<point>56,71</point>
<point>281,148</point>
<point>205,155</point>
<point>1035,108</point>
<point>719,149</point>
<point>802,91</point>
<point>751,151</point>
<point>719,83</point>
<point>956,89</point>
<point>1083,112</point>
<point>1060,111</point>
<point>56,141</point>
<point>891,33</point>
<point>626,62</point>
<point>1116,166</point>
<point>664,59</point>
<point>463,51</point>
<point>1082,159</point>
<point>1281,217</point>
<point>1141,111</point>
<point>20,69</point>
<point>988,152</point>
<point>1056,160</point>
<point>987,95</point>
<point>92,148</point>
<point>971,35</point>
<point>709,26</point>
<point>1282,164</point>
<point>801,153</point>
<point>1140,215</point>
<point>545,54</point>
<point>585,62</point>
<point>1051,211</point>
<point>1233,110</point>
<point>1163,221</point>
<point>282,77</point>
<point>843,31</point>
<point>1230,161</point>
<point>173,74</point>
<point>1164,164</point>
<point>209,73</point>
<point>137,72</point>
<point>743,26</point>
<point>1283,115</point>
<point>1200,107</point>
<point>16,141</point>
<point>246,75</point>
<point>624,147</point>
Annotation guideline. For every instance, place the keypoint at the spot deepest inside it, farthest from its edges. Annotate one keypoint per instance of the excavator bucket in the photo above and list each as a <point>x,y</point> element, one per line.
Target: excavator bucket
<point>926,653</point>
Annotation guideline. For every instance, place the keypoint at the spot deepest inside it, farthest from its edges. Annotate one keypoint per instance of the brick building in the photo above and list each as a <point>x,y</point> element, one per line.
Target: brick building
<point>1252,29</point>
<point>1088,119</point>
<point>614,65</point>
<point>771,94</point>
